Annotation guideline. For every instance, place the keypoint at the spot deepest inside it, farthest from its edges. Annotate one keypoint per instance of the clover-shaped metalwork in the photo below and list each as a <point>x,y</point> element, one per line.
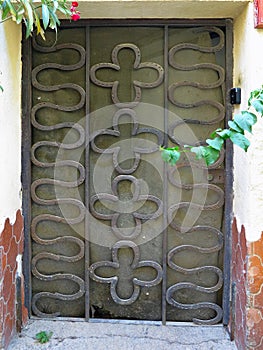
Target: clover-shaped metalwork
<point>116,148</point>
<point>135,265</point>
<point>134,207</point>
<point>138,85</point>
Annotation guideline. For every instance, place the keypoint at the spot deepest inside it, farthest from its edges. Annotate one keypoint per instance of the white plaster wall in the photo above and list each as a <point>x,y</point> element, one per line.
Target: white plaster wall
<point>248,167</point>
<point>10,121</point>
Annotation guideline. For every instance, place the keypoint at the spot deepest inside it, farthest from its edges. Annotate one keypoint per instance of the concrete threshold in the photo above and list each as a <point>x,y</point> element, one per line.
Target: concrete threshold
<point>70,335</point>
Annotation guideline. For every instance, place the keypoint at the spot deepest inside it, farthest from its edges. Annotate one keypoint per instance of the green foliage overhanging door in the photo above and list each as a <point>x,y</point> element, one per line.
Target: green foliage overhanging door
<point>115,232</point>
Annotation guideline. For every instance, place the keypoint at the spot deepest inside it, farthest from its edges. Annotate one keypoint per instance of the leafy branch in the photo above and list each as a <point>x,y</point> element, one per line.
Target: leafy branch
<point>241,123</point>
<point>39,16</point>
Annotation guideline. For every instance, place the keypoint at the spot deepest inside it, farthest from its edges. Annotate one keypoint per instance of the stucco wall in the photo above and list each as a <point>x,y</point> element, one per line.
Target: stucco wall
<point>161,8</point>
<point>10,121</point>
<point>248,167</point>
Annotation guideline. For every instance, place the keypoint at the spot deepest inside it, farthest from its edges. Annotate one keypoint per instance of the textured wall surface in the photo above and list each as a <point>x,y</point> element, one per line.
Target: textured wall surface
<point>10,121</point>
<point>255,295</point>
<point>239,283</point>
<point>12,311</point>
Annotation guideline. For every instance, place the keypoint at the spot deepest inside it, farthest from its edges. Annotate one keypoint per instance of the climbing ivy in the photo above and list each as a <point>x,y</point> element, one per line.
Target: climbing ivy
<point>241,123</point>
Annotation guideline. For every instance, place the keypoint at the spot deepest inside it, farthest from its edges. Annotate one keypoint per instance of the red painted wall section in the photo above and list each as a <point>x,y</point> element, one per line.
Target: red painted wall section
<point>12,311</point>
<point>258,13</point>
<point>246,324</point>
<point>255,295</point>
<point>238,326</point>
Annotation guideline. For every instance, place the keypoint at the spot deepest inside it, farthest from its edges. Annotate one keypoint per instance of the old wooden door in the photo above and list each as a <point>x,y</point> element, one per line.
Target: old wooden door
<point>114,232</point>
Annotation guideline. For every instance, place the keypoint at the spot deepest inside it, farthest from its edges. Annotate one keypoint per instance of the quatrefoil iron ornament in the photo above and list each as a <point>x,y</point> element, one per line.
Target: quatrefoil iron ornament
<point>133,207</point>
<point>115,65</point>
<point>135,265</point>
<point>138,142</point>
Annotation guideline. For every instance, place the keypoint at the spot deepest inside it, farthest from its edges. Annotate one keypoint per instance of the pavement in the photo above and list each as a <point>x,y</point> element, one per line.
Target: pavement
<point>69,335</point>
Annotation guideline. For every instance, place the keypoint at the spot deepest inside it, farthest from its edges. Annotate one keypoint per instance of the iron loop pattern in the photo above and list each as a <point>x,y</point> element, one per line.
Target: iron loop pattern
<point>40,186</point>
<point>218,71</point>
<point>136,203</point>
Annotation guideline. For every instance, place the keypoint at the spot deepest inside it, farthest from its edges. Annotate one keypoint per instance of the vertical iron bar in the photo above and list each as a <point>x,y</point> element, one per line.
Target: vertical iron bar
<point>87,247</point>
<point>26,162</point>
<point>165,194</point>
<point>228,178</point>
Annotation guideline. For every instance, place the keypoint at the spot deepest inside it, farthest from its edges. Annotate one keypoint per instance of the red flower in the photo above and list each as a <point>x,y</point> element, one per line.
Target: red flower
<point>75,16</point>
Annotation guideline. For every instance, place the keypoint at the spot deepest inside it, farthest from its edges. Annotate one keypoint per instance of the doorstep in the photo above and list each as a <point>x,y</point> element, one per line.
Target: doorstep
<point>71,335</point>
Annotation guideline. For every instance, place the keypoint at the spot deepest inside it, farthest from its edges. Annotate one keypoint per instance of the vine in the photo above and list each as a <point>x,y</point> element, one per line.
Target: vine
<point>241,123</point>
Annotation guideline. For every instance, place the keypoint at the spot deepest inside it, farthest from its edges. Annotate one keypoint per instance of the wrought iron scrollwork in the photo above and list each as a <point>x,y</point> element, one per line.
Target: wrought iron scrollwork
<point>42,218</point>
<point>138,85</point>
<point>193,271</point>
<point>135,265</point>
<point>133,207</point>
<point>220,73</point>
<point>137,150</point>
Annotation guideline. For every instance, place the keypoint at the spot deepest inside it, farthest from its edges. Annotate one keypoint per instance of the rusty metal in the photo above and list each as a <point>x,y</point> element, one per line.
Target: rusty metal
<point>136,263</point>
<point>138,85</point>
<point>47,218</point>
<point>125,207</point>
<point>115,133</point>
<point>98,270</point>
<point>228,180</point>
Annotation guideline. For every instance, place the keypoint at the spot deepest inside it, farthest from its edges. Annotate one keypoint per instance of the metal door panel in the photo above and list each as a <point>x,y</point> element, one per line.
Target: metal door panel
<point>116,233</point>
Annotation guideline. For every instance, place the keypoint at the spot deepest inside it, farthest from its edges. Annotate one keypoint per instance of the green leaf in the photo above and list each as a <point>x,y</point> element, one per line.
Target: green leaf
<point>29,17</point>
<point>5,10</point>
<point>224,134</point>
<point>45,15</point>
<point>43,336</point>
<point>245,120</point>
<point>176,148</point>
<point>20,15</point>
<point>171,156</point>
<point>255,94</point>
<point>211,155</point>
<point>216,143</point>
<point>10,6</point>
<point>199,151</point>
<point>214,133</point>
<point>1,88</point>
<point>55,5</point>
<point>239,140</point>
<point>208,153</point>
<point>234,126</point>
<point>258,105</point>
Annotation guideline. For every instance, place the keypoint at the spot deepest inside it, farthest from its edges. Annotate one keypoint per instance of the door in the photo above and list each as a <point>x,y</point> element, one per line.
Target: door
<point>114,232</point>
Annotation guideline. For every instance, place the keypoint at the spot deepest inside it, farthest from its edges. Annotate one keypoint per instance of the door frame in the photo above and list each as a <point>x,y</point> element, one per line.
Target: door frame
<point>26,142</point>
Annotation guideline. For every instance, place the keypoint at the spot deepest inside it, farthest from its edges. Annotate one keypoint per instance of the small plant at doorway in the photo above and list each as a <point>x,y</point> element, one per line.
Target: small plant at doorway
<point>43,336</point>
<point>241,123</point>
<point>39,16</point>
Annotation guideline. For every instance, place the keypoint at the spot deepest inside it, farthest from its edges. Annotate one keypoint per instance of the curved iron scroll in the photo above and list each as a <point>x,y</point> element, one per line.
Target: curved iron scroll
<point>192,271</point>
<point>193,248</point>
<point>220,72</point>
<point>56,202</point>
